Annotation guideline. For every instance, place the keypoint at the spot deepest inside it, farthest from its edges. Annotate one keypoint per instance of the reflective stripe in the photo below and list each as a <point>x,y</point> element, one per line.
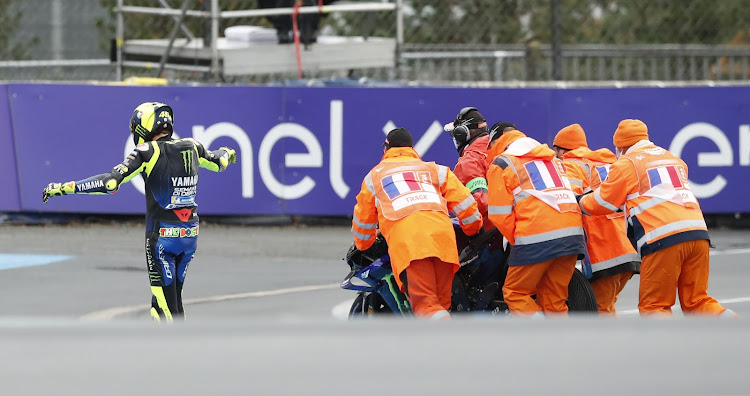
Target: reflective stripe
<point>521,196</point>
<point>604,203</point>
<point>645,205</point>
<point>502,162</point>
<point>548,236</point>
<point>362,236</point>
<point>517,190</point>
<point>364,226</point>
<point>507,159</point>
<point>500,210</point>
<point>583,165</point>
<point>465,204</point>
<point>728,313</point>
<point>632,196</point>
<point>583,210</point>
<point>442,174</point>
<point>368,183</point>
<point>441,315</point>
<point>614,262</point>
<point>471,219</point>
<point>576,182</point>
<point>587,190</point>
<point>666,229</point>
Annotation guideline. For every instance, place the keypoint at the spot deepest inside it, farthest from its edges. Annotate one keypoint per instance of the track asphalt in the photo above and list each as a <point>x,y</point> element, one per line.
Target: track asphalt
<point>259,307</point>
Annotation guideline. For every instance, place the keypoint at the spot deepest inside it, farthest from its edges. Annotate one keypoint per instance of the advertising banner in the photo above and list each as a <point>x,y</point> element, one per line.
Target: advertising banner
<point>304,151</point>
<point>9,200</point>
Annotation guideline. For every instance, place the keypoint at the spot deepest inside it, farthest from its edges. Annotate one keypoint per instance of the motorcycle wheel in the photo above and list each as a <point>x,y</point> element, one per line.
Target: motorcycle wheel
<point>581,296</point>
<point>357,308</point>
<point>368,304</point>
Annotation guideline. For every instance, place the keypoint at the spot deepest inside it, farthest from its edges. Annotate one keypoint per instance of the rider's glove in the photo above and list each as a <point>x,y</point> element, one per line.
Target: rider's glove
<point>58,189</point>
<point>232,155</point>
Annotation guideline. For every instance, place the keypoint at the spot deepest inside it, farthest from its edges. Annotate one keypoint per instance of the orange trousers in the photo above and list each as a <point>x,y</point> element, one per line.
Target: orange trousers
<point>682,267</point>
<point>428,285</point>
<point>548,280</point>
<point>607,290</point>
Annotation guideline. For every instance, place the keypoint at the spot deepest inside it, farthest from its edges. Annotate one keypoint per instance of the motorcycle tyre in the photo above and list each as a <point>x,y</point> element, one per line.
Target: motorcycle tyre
<point>361,304</point>
<point>581,298</point>
<point>357,308</point>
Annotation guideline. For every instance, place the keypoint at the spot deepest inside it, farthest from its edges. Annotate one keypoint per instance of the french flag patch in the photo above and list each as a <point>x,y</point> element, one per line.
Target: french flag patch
<point>543,174</point>
<point>603,171</point>
<point>664,174</point>
<point>400,183</point>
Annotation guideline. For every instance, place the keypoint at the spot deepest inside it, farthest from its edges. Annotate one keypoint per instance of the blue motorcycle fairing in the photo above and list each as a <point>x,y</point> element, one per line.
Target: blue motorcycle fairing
<point>370,275</point>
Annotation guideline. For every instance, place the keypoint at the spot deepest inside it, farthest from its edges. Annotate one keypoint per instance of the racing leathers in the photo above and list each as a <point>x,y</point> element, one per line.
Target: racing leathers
<point>410,200</point>
<point>471,170</point>
<point>170,170</point>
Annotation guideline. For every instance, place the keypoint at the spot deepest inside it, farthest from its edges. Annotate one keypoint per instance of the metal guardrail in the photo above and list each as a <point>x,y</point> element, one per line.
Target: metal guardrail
<point>579,63</point>
<point>55,63</point>
<point>519,64</point>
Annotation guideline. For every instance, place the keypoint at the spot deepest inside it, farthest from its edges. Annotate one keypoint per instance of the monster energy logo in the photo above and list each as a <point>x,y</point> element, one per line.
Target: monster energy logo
<point>141,131</point>
<point>187,159</point>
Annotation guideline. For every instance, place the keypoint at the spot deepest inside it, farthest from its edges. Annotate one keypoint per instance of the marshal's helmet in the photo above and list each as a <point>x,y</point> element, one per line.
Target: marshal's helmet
<point>149,119</point>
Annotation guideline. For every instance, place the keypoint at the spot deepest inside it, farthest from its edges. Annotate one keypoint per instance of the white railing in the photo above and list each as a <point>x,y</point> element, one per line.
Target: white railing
<point>215,14</point>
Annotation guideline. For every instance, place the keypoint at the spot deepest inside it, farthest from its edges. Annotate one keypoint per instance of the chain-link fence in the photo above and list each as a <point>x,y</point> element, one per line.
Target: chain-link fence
<point>60,36</point>
<point>443,41</point>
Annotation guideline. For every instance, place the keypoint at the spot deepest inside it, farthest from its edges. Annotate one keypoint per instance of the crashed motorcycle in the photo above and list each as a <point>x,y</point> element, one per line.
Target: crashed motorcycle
<point>477,286</point>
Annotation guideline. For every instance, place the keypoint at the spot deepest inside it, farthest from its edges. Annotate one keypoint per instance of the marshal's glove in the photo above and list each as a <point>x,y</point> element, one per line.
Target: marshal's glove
<point>58,190</point>
<point>231,153</point>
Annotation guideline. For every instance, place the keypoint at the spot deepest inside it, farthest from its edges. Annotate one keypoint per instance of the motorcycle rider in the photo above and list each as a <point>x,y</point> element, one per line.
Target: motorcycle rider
<point>664,223</point>
<point>170,170</point>
<point>611,257</point>
<point>410,200</point>
<point>470,137</point>
<point>533,206</point>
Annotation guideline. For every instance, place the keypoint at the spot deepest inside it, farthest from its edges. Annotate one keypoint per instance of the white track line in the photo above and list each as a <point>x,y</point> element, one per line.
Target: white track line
<point>111,313</point>
<point>728,251</point>
<point>725,301</point>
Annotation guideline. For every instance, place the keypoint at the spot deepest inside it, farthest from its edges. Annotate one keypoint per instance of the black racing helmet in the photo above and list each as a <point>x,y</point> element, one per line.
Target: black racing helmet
<point>497,130</point>
<point>149,119</point>
<point>469,117</point>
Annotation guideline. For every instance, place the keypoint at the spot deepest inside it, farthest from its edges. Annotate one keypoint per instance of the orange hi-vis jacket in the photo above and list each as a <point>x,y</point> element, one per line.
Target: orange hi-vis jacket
<point>532,204</point>
<point>608,248</point>
<point>410,200</point>
<point>471,170</point>
<point>501,143</point>
<point>652,184</point>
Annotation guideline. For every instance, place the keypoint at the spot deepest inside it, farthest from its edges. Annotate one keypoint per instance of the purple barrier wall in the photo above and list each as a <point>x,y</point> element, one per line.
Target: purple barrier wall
<point>9,200</point>
<point>306,150</point>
